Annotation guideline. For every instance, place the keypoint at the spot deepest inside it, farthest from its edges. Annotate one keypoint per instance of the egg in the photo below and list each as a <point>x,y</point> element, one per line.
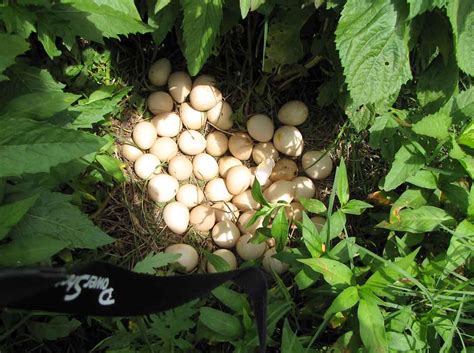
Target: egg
<point>249,251</point>
<point>216,190</point>
<point>245,218</point>
<point>130,152</point>
<point>217,143</point>
<point>225,234</point>
<point>221,116</point>
<point>238,179</point>
<point>159,102</point>
<point>202,218</point>
<point>159,72</point>
<point>304,187</point>
<point>205,167</point>
<point>295,212</point>
<point>225,211</point>
<point>204,97</point>
<point>271,264</point>
<point>281,190</point>
<point>162,188</point>
<point>144,135</point>
<point>319,222</point>
<point>189,257</point>
<point>164,148</point>
<point>190,195</point>
<point>192,119</point>
<point>267,183</point>
<point>176,217</point>
<point>293,113</point>
<point>317,164</point>
<point>147,165</point>
<point>180,167</point>
<point>245,201</point>
<point>264,150</point>
<point>288,140</point>
<point>204,80</point>
<point>191,142</point>
<point>225,163</point>
<point>260,127</point>
<point>240,145</point>
<point>167,124</point>
<point>179,86</point>
<point>228,256</point>
<point>284,169</point>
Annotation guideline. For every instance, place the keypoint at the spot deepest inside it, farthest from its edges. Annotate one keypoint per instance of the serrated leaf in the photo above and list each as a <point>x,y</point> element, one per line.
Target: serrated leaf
<point>57,327</point>
<point>12,46</point>
<point>408,161</point>
<point>163,20</point>
<point>462,108</point>
<point>232,299</point>
<point>435,125</point>
<point>222,323</point>
<point>40,146</point>
<point>373,48</point>
<point>466,161</point>
<point>172,322</point>
<point>342,184</point>
<point>12,213</point>
<point>18,20</point>
<point>279,229</point>
<point>47,39</point>
<point>290,342</point>
<point>461,15</point>
<point>361,116</point>
<point>348,298</point>
<point>417,7</point>
<point>160,5</point>
<point>200,29</point>
<point>371,326</point>
<point>334,272</point>
<point>152,261</point>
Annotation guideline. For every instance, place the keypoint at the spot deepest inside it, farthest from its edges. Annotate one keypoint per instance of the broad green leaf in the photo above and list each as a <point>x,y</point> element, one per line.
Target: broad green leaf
<point>342,184</point>
<point>355,207</point>
<point>163,21</point>
<point>466,138</point>
<point>401,320</point>
<point>333,226</point>
<point>200,26</point>
<point>361,116</point>
<point>373,48</point>
<point>257,193</point>
<point>465,160</point>
<point>462,108</point>
<point>171,323</point>
<point>18,20</point>
<point>311,236</point>
<point>461,15</point>
<point>47,39</point>
<point>12,46</point>
<point>54,216</point>
<point>152,261</point>
<point>403,342</point>
<point>219,264</point>
<point>347,343</point>
<point>289,340</point>
<point>344,250</point>
<point>417,7</point>
<point>306,277</point>
<point>435,125</point>
<point>348,298</point>
<point>457,196</point>
<point>40,146</point>
<point>232,299</point>
<point>112,167</point>
<point>371,326</point>
<point>222,323</point>
<point>425,179</point>
<point>57,327</point>
<point>460,246</point>
<point>313,205</point>
<point>411,198</point>
<point>160,5</point>
<point>383,136</point>
<point>12,213</point>
<point>334,272</point>
<point>245,7</point>
<point>408,161</point>
<point>280,228</point>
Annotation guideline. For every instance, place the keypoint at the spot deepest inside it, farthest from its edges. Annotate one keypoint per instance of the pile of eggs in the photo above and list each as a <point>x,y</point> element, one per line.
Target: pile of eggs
<point>202,170</point>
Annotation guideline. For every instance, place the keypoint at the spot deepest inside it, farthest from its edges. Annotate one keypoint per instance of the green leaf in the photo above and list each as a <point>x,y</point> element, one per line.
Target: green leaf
<point>460,247</point>
<point>313,205</point>
<point>57,327</point>
<point>466,161</point>
<point>12,213</point>
<point>217,262</point>
<point>462,108</point>
<point>361,116</point>
<point>408,161</point>
<point>257,193</point>
<point>356,207</point>
<point>461,15</point>
<point>40,146</point>
<point>425,179</point>
<point>435,125</point>
<point>222,323</point>
<point>435,39</point>
<point>417,7</point>
<point>334,226</point>
<point>371,326</point>
<point>160,5</point>
<point>342,184</point>
<point>163,21</point>
<point>112,167</point>
<point>289,341</point>
<point>311,236</point>
<point>232,299</point>
<point>334,272</point>
<point>411,198</point>
<point>171,323</point>
<point>280,228</point>
<point>348,298</point>
<point>373,48</point>
<point>54,216</point>
<point>47,39</point>
<point>18,20</point>
<point>403,342</point>
<point>200,26</point>
<point>456,196</point>
<point>152,261</point>
<point>12,46</point>
<point>383,135</point>
<point>244,7</point>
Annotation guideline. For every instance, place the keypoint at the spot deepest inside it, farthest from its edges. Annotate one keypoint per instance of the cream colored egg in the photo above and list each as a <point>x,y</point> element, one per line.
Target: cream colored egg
<point>189,257</point>
<point>245,218</point>
<point>180,167</point>
<point>164,148</point>
<point>202,218</point>
<point>317,164</point>
<point>225,234</point>
<point>238,179</point>
<point>204,97</point>
<point>221,116</point>
<point>228,256</point>
<point>288,140</point>
<point>147,165</point>
<point>240,145</point>
<point>216,190</point>
<point>190,195</point>
<point>204,80</point>
<point>144,135</point>
<point>249,251</point>
<point>130,152</point>
<point>285,169</point>
<point>159,102</point>
<point>293,113</point>
<point>205,167</point>
<point>179,86</point>
<point>271,264</point>
<point>159,72</point>
<point>162,188</point>
<point>260,127</point>
<point>176,217</point>
<point>245,202</point>
<point>281,190</point>
<point>225,163</point>
<point>263,186</point>
<point>319,222</point>
<point>295,212</point>
<point>264,150</point>
<point>217,143</point>
<point>225,211</point>
<point>304,187</point>
<point>167,124</point>
<point>191,142</point>
<point>193,119</point>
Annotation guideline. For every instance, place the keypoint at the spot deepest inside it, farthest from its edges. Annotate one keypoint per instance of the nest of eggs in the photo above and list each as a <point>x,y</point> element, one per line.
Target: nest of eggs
<point>198,171</point>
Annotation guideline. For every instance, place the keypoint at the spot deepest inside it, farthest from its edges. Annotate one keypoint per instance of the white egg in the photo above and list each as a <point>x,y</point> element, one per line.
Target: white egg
<point>144,135</point>
<point>164,148</point>
<point>191,142</point>
<point>288,140</point>
<point>228,256</point>
<point>176,217</point>
<point>130,152</point>
<point>281,190</point>
<point>265,184</point>
<point>167,124</point>
<point>225,234</point>
<point>147,165</point>
<point>249,251</point>
<point>293,113</point>
<point>190,195</point>
<point>225,211</point>
<point>159,72</point>
<point>284,169</point>
<point>189,257</point>
<point>245,201</point>
<point>192,119</point>
<point>180,167</point>
<point>245,218</point>
<point>179,86</point>
<point>240,145</point>
<point>317,164</point>
<point>238,179</point>
<point>162,188</point>
<point>221,116</point>
<point>216,190</point>
<point>204,97</point>
<point>304,187</point>
<point>260,127</point>
<point>225,163</point>
<point>205,167</point>
<point>160,102</point>
<point>271,264</point>
<point>202,218</point>
<point>264,150</point>
<point>217,143</point>
<point>204,80</point>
